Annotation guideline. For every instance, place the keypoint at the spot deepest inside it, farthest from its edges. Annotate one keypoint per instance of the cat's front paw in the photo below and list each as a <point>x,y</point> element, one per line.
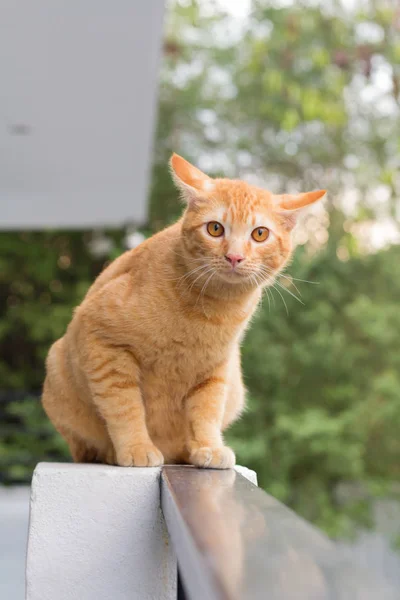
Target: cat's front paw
<point>213,458</point>
<point>140,455</point>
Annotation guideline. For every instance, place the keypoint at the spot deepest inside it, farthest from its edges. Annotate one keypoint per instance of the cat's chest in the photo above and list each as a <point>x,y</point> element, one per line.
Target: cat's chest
<point>181,359</point>
<point>181,344</point>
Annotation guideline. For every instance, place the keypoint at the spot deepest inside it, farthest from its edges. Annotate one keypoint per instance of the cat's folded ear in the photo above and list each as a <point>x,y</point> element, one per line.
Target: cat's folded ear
<point>296,201</point>
<point>193,183</point>
<point>288,204</point>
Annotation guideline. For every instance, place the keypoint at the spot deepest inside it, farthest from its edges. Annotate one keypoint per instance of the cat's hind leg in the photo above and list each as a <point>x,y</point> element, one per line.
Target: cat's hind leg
<point>76,420</point>
<point>83,452</point>
<point>79,449</point>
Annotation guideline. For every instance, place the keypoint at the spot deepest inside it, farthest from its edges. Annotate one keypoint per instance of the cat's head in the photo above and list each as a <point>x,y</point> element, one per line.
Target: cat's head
<point>233,230</point>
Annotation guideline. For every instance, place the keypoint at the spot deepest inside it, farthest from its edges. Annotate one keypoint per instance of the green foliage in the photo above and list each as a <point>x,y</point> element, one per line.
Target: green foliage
<point>26,438</point>
<point>43,276</point>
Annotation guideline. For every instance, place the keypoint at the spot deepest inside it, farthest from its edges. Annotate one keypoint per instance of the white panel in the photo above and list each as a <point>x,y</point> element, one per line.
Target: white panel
<point>77,109</point>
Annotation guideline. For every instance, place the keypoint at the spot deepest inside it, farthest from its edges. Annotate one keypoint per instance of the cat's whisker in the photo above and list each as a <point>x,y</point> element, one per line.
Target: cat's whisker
<point>253,280</point>
<point>255,277</point>
<point>269,275</point>
<point>183,277</point>
<point>265,269</point>
<point>269,272</point>
<point>265,288</point>
<point>291,282</point>
<point>268,290</point>
<point>283,299</point>
<point>292,279</point>
<point>192,272</point>
<point>289,292</point>
<point>204,268</point>
<point>203,289</point>
<point>269,302</point>
<point>201,275</point>
<point>305,281</point>
<point>250,281</point>
<point>272,296</point>
<point>258,282</point>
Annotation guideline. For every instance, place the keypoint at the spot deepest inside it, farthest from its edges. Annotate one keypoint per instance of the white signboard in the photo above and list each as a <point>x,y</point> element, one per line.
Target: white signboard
<point>78,83</point>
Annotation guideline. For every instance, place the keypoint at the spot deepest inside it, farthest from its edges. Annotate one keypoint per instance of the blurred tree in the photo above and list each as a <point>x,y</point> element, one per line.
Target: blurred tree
<point>43,276</point>
<point>294,97</point>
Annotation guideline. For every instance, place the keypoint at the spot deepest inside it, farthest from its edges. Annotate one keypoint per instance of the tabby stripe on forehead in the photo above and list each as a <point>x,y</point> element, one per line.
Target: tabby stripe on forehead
<point>281,249</point>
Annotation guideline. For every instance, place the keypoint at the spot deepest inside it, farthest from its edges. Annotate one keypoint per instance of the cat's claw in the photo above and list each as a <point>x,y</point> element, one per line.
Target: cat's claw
<point>213,458</point>
<point>140,455</point>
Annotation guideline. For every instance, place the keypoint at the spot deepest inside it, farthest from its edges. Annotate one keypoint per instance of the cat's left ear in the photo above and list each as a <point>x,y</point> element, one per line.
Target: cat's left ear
<point>192,182</point>
<point>288,204</point>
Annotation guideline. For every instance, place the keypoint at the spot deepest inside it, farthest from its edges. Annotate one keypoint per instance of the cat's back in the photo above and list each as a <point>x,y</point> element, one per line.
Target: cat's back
<point>136,261</point>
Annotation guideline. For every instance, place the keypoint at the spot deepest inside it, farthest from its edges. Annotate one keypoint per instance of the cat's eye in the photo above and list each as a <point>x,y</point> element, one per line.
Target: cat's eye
<point>260,234</point>
<point>215,229</point>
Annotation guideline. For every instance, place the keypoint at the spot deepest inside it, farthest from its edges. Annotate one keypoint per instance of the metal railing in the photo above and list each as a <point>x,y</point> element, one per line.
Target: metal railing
<point>235,542</point>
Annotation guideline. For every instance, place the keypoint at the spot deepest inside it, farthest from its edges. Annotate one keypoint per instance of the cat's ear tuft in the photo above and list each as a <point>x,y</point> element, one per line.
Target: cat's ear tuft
<point>192,182</point>
<point>288,204</point>
<point>296,201</point>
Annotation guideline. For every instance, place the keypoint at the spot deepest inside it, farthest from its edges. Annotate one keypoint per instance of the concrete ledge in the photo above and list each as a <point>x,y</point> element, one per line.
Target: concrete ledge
<point>97,533</point>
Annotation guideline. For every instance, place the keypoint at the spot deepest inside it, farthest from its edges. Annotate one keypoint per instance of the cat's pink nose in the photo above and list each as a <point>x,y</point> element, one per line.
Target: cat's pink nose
<point>234,259</point>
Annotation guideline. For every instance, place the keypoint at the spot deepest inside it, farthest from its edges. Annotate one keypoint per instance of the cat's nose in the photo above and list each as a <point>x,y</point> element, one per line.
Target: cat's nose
<point>234,259</point>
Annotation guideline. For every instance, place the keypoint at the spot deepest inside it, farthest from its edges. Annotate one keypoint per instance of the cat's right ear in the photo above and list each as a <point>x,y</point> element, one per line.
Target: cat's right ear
<point>193,183</point>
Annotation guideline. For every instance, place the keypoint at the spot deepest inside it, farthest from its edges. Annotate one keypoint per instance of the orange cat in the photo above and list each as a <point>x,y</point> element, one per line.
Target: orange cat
<point>149,368</point>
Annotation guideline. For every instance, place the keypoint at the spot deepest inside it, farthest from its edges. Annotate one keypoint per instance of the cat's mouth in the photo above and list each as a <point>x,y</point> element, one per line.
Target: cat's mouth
<point>245,276</point>
<point>233,275</point>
